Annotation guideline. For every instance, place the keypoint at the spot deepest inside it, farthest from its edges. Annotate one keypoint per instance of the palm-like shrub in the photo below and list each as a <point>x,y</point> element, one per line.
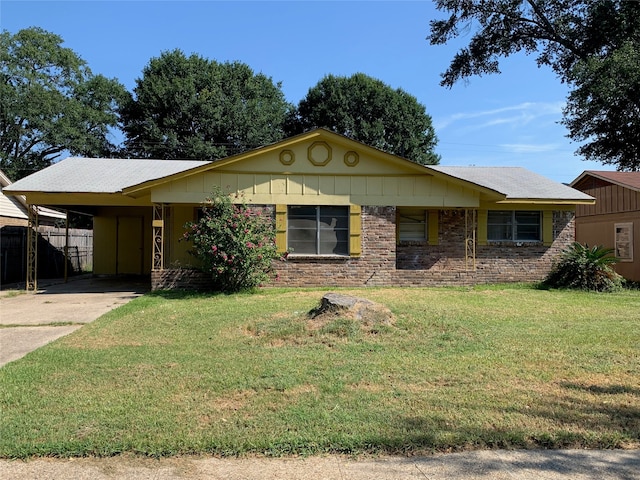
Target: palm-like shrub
<point>585,268</point>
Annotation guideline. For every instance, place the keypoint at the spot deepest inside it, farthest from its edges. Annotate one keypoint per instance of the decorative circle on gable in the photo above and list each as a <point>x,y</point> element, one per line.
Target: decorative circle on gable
<point>287,157</point>
<point>351,158</point>
<point>319,153</point>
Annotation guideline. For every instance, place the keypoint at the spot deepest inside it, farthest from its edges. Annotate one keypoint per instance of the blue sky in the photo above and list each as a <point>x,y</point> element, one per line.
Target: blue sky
<point>509,119</point>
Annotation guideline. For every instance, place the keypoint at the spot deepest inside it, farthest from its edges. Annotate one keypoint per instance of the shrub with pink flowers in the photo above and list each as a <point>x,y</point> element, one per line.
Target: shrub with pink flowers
<point>235,243</point>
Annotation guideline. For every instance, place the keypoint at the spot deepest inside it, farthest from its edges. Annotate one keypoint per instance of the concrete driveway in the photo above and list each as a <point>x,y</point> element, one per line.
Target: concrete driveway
<point>31,320</point>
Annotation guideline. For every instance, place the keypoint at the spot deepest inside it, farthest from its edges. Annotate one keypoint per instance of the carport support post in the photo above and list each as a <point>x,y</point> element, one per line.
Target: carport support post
<point>158,236</point>
<point>31,283</point>
<point>66,245</point>
<point>470,220</point>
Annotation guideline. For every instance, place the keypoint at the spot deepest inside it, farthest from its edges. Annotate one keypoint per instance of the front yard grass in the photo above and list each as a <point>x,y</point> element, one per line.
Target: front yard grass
<point>178,373</point>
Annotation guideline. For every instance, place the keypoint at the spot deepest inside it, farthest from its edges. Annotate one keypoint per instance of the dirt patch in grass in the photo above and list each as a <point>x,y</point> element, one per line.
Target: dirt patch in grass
<point>232,402</point>
<point>366,387</point>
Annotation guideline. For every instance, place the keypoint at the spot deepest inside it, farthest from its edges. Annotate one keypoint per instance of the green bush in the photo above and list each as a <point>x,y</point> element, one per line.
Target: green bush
<point>235,244</point>
<point>584,268</point>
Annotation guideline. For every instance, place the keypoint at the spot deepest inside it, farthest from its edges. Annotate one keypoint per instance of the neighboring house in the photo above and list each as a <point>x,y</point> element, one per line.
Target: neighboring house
<point>14,209</point>
<point>614,221</point>
<point>351,214</point>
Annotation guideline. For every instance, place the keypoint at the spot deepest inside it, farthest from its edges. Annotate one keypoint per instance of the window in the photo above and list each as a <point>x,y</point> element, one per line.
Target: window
<point>318,230</point>
<point>624,241</point>
<point>412,225</point>
<point>520,226</point>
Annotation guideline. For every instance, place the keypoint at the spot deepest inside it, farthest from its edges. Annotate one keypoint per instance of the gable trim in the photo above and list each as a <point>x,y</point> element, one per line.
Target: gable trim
<point>604,178</point>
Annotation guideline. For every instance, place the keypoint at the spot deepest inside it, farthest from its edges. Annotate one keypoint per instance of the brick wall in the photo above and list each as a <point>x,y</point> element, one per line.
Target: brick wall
<point>374,267</point>
<point>444,264</point>
<point>410,264</point>
<point>419,264</point>
<point>179,279</point>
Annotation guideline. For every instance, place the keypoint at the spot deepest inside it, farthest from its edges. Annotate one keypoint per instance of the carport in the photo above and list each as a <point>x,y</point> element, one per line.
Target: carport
<point>129,230</point>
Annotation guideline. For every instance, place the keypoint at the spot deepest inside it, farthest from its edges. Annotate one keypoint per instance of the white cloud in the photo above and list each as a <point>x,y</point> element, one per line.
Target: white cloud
<point>529,147</point>
<point>520,114</point>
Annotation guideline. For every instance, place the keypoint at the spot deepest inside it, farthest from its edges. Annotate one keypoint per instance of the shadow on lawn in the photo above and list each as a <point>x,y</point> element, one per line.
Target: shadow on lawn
<point>183,294</point>
<point>612,411</point>
<point>586,416</point>
<point>605,390</point>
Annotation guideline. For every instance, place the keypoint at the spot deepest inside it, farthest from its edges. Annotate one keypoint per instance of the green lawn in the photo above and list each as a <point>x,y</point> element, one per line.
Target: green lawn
<point>490,367</point>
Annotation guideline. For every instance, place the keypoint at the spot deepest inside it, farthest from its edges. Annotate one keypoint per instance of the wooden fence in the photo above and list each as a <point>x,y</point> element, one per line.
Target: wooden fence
<point>51,243</point>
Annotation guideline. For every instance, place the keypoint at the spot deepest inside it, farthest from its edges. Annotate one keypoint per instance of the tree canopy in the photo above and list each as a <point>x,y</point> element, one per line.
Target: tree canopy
<point>195,108</point>
<point>50,103</point>
<point>367,110</point>
<point>604,108</point>
<point>587,43</point>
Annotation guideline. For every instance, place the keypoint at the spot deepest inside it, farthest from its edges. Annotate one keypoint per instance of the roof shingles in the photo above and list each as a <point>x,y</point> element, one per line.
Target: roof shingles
<point>515,182</point>
<point>100,175</point>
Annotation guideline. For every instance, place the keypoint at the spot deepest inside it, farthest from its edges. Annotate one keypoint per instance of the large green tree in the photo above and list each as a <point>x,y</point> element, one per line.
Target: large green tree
<point>367,110</point>
<point>603,110</point>
<point>195,108</point>
<point>592,45</point>
<point>50,102</point>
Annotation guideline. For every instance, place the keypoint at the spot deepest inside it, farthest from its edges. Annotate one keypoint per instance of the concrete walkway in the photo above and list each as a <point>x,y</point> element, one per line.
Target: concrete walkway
<point>31,320</point>
<point>479,465</point>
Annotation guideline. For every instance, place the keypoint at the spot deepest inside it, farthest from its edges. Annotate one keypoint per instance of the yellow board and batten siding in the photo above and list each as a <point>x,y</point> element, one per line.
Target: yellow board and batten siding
<point>372,181</point>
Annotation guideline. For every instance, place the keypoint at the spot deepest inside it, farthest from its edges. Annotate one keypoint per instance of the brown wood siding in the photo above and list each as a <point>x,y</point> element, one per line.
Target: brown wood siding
<point>600,230</point>
<point>609,199</point>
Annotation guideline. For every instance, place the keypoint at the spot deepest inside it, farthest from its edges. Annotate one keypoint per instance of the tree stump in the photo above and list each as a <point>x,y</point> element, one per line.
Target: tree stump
<point>363,310</point>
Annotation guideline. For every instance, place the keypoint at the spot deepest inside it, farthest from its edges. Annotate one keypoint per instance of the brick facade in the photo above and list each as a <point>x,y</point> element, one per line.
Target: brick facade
<point>374,267</point>
<point>179,279</point>
<point>419,264</point>
<point>383,263</point>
